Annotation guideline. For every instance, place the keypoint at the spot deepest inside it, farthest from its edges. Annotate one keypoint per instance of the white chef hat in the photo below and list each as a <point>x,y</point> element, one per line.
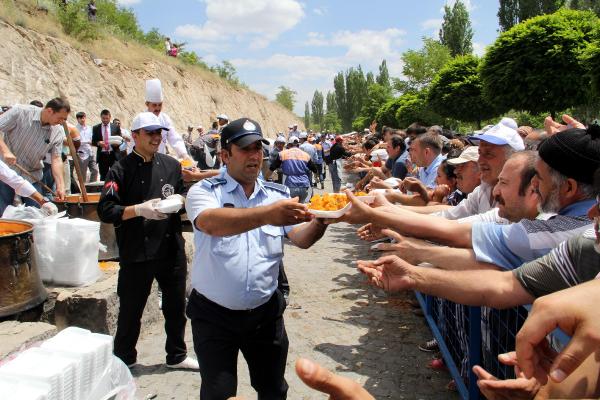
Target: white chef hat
<point>154,92</point>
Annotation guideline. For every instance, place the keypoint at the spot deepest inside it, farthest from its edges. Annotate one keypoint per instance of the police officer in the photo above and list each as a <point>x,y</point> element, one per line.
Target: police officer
<point>240,222</point>
<point>150,243</point>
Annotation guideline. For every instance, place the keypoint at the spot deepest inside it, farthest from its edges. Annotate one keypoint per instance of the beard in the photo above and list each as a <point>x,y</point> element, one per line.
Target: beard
<point>550,204</point>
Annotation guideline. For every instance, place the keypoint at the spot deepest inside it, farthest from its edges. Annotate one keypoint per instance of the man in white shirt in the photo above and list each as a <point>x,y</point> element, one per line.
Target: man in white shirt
<point>84,152</point>
<point>154,103</point>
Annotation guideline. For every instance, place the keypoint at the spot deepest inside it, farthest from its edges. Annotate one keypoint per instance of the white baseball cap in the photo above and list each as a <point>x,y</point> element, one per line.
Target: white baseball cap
<point>511,123</point>
<point>147,121</point>
<point>303,135</point>
<point>223,116</point>
<point>500,135</point>
<point>279,139</point>
<point>293,139</point>
<point>471,153</point>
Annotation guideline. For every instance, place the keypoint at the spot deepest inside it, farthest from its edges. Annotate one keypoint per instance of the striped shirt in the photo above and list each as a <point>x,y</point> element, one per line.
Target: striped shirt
<point>571,263</point>
<point>29,140</point>
<point>509,246</point>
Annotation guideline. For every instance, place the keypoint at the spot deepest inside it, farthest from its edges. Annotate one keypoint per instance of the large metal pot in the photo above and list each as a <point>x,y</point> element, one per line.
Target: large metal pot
<point>94,187</point>
<point>20,285</point>
<point>77,208</point>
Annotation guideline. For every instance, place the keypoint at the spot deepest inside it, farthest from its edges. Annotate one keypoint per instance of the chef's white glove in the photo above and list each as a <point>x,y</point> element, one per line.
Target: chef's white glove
<point>49,209</point>
<point>148,210</point>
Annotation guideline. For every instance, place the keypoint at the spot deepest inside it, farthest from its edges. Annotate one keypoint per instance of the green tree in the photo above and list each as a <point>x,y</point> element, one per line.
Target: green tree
<point>377,96</point>
<point>350,93</point>
<point>306,115</point>
<point>585,5</point>
<point>317,109</point>
<point>508,14</point>
<point>370,78</point>
<point>342,107</point>
<point>383,79</point>
<point>456,32</point>
<point>413,107</point>
<point>356,85</point>
<point>331,123</point>
<point>535,65</point>
<point>457,92</point>
<point>331,105</point>
<point>421,66</point>
<point>386,115</point>
<point>286,97</point>
<point>512,12</point>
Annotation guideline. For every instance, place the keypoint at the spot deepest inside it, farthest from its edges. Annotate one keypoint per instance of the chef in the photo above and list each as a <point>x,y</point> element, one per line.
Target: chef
<point>151,245</point>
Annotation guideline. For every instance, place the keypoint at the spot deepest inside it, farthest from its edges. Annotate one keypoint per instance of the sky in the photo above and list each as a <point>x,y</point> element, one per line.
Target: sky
<point>303,44</point>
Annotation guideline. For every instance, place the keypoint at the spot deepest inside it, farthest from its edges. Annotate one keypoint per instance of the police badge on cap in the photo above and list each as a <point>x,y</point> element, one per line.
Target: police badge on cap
<point>242,132</point>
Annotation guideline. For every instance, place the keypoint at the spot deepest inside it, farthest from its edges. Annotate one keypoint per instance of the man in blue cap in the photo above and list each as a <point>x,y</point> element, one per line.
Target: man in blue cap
<point>239,225</point>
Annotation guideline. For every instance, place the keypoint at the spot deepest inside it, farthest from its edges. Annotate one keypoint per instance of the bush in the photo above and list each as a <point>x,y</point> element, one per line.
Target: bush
<point>73,19</point>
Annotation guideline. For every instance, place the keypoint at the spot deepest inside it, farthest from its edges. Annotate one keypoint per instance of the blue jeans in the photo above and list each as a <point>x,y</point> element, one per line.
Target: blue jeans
<point>335,178</point>
<point>301,192</point>
<point>7,197</point>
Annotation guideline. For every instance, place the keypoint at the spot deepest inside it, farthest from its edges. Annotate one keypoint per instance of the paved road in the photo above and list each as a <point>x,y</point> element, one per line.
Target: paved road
<point>345,325</point>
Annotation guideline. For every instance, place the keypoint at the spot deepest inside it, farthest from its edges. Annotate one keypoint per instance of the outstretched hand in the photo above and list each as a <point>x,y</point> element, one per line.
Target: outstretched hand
<point>359,213</point>
<point>389,273</point>
<point>403,247</point>
<point>370,232</point>
<point>575,311</point>
<point>495,389</point>
<point>552,127</point>
<point>323,380</point>
<point>288,212</point>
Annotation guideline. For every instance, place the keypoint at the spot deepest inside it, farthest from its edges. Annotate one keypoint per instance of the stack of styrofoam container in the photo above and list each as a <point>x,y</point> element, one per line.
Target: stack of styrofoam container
<point>14,388</point>
<point>45,367</point>
<point>94,350</point>
<point>67,366</point>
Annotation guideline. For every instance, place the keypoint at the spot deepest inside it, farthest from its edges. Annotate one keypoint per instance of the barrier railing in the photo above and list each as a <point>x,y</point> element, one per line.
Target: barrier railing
<point>469,336</point>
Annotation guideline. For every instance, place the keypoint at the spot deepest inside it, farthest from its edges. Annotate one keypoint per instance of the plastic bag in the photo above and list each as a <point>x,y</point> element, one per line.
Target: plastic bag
<point>67,250</point>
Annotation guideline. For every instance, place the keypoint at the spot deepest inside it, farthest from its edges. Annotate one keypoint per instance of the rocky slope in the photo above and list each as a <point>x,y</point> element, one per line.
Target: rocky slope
<point>38,66</point>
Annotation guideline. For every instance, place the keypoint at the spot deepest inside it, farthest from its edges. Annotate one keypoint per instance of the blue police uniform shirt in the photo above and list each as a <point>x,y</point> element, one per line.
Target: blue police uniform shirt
<point>427,175</point>
<point>238,272</point>
<point>509,246</point>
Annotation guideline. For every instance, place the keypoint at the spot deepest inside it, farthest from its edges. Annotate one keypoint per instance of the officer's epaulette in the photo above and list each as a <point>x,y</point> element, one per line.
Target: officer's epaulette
<point>276,186</point>
<point>213,182</point>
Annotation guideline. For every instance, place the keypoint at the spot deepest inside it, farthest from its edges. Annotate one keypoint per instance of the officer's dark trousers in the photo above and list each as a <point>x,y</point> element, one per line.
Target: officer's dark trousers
<point>220,333</point>
<point>135,282</point>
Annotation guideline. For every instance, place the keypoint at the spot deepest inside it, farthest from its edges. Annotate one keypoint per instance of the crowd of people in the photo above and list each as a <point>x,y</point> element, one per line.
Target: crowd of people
<point>504,217</point>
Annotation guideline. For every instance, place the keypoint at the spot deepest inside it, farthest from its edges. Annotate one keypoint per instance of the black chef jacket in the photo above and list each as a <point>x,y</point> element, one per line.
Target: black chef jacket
<point>132,180</point>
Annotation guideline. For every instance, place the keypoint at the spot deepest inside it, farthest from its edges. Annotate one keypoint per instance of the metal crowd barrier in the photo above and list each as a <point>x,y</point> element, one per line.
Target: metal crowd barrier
<point>469,336</point>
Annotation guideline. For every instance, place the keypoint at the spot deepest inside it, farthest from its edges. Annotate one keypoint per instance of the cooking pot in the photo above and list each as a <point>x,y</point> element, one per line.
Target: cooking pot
<point>20,285</point>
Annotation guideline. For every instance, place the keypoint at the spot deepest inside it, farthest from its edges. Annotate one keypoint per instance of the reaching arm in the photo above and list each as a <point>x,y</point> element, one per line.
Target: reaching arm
<point>477,288</point>
<point>233,221</point>
<point>427,209</point>
<point>428,227</point>
<point>416,251</point>
<point>305,235</point>
<point>57,173</point>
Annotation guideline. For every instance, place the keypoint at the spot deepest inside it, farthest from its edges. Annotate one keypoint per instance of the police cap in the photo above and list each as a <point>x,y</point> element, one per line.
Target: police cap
<point>242,132</point>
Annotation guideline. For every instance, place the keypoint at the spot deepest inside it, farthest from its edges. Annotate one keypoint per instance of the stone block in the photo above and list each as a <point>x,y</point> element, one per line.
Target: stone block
<point>96,307</point>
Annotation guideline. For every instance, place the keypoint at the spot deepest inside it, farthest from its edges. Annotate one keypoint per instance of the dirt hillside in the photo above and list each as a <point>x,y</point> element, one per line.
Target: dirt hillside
<point>38,66</point>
